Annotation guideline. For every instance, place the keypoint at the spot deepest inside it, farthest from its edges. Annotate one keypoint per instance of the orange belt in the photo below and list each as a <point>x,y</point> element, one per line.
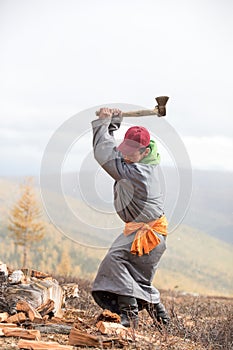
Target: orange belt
<point>146,239</point>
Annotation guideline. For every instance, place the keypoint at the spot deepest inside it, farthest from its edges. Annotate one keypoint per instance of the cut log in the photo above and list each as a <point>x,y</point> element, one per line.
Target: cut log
<point>42,345</point>
<point>46,308</point>
<point>4,316</point>
<point>35,293</point>
<point>2,325</point>
<point>32,313</point>
<point>17,318</point>
<point>111,328</point>
<point>53,328</point>
<point>22,333</point>
<point>79,338</point>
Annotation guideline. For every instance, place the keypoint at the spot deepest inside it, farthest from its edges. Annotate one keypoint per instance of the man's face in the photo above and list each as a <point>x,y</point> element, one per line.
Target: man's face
<point>136,156</point>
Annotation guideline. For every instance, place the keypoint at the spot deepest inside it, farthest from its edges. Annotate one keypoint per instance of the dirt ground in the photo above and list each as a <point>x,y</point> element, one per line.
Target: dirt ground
<point>197,322</point>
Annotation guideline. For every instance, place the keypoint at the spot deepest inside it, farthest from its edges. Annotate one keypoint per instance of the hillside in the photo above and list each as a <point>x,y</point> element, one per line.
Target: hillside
<point>194,261</point>
<point>210,208</point>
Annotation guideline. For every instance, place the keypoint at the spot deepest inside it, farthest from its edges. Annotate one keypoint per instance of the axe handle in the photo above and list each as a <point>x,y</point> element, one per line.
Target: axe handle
<point>140,113</point>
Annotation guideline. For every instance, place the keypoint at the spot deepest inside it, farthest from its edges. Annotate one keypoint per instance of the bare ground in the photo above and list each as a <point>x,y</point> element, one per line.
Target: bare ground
<point>197,322</point>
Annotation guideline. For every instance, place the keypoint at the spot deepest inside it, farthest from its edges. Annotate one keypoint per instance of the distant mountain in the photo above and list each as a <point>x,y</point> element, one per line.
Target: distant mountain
<point>194,261</point>
<point>210,209</point>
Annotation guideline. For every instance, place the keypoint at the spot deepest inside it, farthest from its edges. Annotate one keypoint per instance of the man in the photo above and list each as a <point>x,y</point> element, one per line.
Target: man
<point>124,280</point>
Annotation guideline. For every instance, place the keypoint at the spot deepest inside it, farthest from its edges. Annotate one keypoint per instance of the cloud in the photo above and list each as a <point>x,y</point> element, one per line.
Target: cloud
<point>210,153</point>
<point>59,58</point>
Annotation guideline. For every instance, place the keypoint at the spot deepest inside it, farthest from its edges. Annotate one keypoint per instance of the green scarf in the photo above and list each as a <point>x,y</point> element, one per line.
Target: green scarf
<point>153,157</point>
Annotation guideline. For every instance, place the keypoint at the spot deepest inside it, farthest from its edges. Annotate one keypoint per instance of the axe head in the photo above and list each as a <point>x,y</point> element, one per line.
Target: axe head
<point>162,100</point>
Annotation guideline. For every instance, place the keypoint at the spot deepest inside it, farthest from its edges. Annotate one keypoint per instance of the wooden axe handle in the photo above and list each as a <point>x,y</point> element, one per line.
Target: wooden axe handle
<point>159,110</point>
<point>142,113</point>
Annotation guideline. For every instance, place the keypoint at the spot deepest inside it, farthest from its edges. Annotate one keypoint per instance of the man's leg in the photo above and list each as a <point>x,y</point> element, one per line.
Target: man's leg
<point>128,307</point>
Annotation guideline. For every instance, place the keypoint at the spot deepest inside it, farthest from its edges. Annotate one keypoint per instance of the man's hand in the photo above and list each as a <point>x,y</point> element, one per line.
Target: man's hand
<point>108,112</point>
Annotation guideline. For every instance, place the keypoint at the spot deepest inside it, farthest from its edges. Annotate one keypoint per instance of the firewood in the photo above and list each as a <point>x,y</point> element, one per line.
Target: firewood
<point>53,328</point>
<point>4,316</point>
<point>45,318</point>
<point>46,308</point>
<point>22,333</point>
<point>111,328</point>
<point>109,316</point>
<point>17,318</point>
<point>2,325</point>
<point>32,313</point>
<point>35,273</point>
<point>42,345</point>
<point>79,338</point>
<point>33,292</point>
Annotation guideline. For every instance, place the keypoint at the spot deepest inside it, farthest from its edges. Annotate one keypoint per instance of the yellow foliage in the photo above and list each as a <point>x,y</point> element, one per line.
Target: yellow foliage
<point>24,219</point>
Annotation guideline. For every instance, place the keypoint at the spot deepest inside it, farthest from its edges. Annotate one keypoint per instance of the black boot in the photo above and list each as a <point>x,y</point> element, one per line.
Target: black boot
<point>128,311</point>
<point>158,313</point>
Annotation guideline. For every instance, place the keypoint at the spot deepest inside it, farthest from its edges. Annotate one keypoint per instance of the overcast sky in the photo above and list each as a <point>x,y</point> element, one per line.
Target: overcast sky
<point>59,57</point>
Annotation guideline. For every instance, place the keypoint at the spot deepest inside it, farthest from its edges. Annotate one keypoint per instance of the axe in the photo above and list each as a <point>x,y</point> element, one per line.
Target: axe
<point>159,110</point>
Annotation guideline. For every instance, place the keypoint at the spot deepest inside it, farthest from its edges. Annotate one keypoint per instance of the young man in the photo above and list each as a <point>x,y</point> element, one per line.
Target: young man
<point>124,280</point>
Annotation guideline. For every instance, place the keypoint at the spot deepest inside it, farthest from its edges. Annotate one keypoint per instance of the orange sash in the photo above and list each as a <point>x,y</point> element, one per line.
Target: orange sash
<point>146,239</point>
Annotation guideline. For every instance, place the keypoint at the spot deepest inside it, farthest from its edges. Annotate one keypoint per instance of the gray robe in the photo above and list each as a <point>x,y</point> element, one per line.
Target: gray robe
<point>137,197</point>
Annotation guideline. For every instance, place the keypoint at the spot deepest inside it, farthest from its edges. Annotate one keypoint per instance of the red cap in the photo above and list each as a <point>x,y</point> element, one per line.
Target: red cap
<point>135,138</point>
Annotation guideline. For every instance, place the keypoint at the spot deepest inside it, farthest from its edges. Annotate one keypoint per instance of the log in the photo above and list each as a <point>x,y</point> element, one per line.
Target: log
<point>22,333</point>
<point>53,328</point>
<point>35,293</point>
<point>111,328</point>
<point>42,345</point>
<point>80,338</point>
<point>2,325</point>
<point>4,316</point>
<point>17,318</point>
<point>32,313</point>
<point>46,308</point>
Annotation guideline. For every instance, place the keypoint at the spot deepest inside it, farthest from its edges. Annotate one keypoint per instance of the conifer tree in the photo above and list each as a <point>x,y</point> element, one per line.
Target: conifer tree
<point>64,268</point>
<point>24,220</point>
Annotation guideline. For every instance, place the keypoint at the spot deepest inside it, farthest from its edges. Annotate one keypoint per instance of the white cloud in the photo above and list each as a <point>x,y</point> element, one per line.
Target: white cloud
<point>211,153</point>
<point>59,57</point>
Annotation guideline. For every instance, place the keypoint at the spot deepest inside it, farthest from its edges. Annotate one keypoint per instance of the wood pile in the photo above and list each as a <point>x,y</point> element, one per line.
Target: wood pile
<point>31,309</point>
